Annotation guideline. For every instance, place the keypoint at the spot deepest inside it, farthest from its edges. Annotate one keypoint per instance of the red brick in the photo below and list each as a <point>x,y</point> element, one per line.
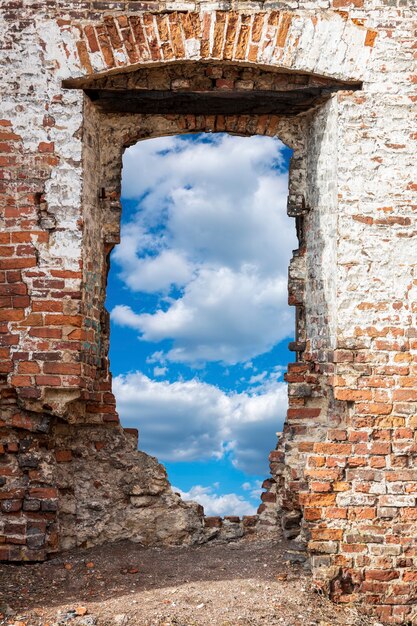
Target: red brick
<point>62,368</point>
<point>32,319</point>
<point>326,534</point>
<point>63,320</point>
<point>14,276</point>
<point>6,366</point>
<point>284,26</point>
<point>48,381</point>
<point>312,515</point>
<point>7,251</point>
<point>15,263</point>
<point>12,494</point>
<point>24,236</point>
<point>110,417</point>
<point>43,493</point>
<point>63,456</point>
<point>11,315</point>
<point>267,496</point>
<point>47,306</point>
<point>213,522</point>
<point>66,274</point>
<point>5,553</point>
<point>49,333</point>
<point>336,513</point>
<point>21,381</point>
<point>353,395</point>
<point>28,367</point>
<point>404,395</point>
<point>333,448</point>
<point>9,340</point>
<point>84,58</point>
<point>29,392</point>
<point>316,500</point>
<point>343,356</point>
<point>22,421</point>
<point>303,412</point>
<point>46,146</point>
<point>320,487</point>
<point>91,38</point>
<point>370,35</point>
<point>21,302</point>
<point>374,408</point>
<point>382,575</point>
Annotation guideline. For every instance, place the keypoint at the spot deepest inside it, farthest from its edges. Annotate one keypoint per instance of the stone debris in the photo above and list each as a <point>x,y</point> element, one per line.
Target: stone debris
<point>81,610</point>
<point>75,617</point>
<point>207,585</point>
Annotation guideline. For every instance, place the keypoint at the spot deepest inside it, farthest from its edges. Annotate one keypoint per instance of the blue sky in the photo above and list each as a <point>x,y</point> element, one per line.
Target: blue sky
<point>199,318</point>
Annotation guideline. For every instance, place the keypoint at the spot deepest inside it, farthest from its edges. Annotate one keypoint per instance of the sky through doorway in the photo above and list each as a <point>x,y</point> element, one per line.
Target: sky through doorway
<point>199,317</point>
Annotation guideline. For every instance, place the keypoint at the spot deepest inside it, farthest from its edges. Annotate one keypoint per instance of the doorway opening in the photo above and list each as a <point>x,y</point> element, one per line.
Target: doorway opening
<point>200,323</point>
<point>117,117</point>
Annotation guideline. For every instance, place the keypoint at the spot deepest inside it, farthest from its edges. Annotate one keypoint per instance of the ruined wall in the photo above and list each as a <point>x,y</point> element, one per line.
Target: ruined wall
<point>344,469</point>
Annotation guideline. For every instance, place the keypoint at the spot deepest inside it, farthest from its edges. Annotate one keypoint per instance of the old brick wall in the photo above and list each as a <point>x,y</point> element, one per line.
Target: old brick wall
<point>344,469</point>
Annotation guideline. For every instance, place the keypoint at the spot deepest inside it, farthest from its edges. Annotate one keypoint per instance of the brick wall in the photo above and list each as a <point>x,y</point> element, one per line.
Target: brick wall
<point>344,470</point>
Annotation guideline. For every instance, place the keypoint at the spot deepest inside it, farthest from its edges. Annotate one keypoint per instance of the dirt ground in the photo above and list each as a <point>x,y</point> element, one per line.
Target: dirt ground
<point>238,584</point>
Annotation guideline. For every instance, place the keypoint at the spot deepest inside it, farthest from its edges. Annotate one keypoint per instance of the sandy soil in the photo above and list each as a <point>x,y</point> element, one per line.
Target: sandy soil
<point>243,584</point>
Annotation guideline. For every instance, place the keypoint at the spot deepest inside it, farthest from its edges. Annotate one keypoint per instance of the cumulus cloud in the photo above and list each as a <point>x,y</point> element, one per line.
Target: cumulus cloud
<point>153,273</point>
<point>159,371</point>
<point>211,225</point>
<point>222,316</point>
<point>192,420</point>
<point>255,488</point>
<point>253,424</point>
<point>156,167</point>
<point>257,378</point>
<point>215,504</point>
<point>210,241</point>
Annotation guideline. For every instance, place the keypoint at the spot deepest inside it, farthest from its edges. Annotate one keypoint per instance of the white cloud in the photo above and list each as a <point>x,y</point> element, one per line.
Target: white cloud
<point>152,273</point>
<point>212,241</point>
<point>254,487</point>
<point>177,421</point>
<point>156,357</point>
<point>253,424</point>
<point>159,371</point>
<point>258,378</point>
<point>212,222</point>
<point>222,316</point>
<point>124,316</point>
<point>190,420</point>
<point>158,167</point>
<point>214,504</point>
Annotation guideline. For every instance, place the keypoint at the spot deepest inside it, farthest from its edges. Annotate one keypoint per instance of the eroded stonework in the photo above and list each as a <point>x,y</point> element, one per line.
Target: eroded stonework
<point>335,80</point>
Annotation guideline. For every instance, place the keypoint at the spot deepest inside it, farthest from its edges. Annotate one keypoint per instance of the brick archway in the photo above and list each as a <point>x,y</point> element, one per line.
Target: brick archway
<point>328,44</point>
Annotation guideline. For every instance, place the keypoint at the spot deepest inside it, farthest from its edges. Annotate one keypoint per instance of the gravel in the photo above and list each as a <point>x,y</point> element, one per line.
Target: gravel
<point>249,583</point>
